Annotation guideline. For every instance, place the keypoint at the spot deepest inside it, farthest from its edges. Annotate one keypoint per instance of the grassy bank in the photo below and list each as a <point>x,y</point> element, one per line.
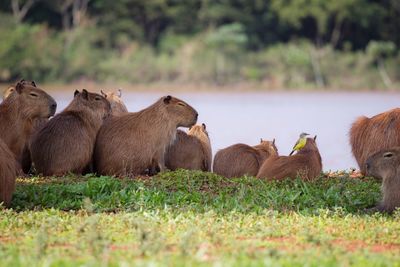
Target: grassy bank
<point>194,218</point>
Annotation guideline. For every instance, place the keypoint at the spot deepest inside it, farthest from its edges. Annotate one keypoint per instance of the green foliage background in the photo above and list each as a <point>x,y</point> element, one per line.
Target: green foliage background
<point>346,44</point>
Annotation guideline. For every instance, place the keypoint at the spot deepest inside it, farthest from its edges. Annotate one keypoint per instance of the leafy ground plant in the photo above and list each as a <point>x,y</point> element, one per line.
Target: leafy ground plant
<point>196,218</point>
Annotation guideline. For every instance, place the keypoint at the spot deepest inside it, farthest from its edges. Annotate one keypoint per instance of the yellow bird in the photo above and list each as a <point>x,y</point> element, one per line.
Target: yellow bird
<point>300,143</point>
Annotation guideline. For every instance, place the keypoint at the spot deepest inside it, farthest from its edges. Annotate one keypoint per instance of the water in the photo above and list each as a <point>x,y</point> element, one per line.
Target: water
<point>246,117</point>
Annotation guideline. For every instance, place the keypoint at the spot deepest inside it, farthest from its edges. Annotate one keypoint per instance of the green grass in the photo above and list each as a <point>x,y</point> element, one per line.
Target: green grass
<point>193,218</point>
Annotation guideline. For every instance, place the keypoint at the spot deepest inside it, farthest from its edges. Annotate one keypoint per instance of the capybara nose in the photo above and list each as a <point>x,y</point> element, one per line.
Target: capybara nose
<point>197,115</point>
<point>53,108</point>
<point>367,166</point>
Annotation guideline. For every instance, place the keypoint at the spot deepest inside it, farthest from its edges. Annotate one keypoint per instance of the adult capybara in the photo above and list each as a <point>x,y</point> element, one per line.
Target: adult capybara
<point>385,165</point>
<point>133,143</point>
<point>306,164</point>
<point>9,170</point>
<point>191,151</point>
<point>65,144</point>
<point>371,135</point>
<point>19,113</point>
<point>240,159</point>
<point>117,105</point>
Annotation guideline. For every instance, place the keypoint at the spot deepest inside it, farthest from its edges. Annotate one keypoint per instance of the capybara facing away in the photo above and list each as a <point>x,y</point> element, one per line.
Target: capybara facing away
<point>191,151</point>
<point>306,164</point>
<point>9,170</point>
<point>371,135</point>
<point>132,143</point>
<point>385,165</point>
<point>20,112</point>
<point>117,105</point>
<point>240,159</point>
<point>65,144</point>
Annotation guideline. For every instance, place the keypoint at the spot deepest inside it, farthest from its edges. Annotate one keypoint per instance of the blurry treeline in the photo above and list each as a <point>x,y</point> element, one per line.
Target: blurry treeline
<point>346,44</point>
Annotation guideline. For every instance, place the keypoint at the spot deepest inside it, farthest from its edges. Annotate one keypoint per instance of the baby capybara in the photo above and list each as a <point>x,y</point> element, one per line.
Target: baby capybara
<point>371,135</point>
<point>240,159</point>
<point>385,166</point>
<point>306,164</point>
<point>190,151</point>
<point>117,105</point>
<point>132,143</point>
<point>19,113</point>
<point>9,170</point>
<point>65,144</point>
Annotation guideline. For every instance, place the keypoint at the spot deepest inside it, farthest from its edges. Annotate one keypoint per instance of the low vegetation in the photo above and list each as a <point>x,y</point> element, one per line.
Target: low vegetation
<point>195,218</point>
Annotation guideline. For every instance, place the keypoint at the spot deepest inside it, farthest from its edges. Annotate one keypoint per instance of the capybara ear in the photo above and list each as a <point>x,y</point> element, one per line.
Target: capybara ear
<point>119,92</point>
<point>85,94</point>
<point>19,86</point>
<point>273,141</point>
<point>102,93</point>
<point>33,83</point>
<point>315,138</point>
<point>204,126</point>
<point>76,92</point>
<point>167,99</point>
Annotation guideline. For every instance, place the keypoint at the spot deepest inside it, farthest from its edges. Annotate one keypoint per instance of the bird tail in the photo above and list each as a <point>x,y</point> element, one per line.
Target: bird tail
<point>291,152</point>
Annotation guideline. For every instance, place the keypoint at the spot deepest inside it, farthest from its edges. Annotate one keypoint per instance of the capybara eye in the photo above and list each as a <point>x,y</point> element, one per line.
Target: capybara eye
<point>97,98</point>
<point>388,155</point>
<point>181,104</point>
<point>33,95</point>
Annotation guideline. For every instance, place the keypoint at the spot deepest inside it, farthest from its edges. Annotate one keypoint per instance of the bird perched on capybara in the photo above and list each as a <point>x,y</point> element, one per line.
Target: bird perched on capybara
<point>19,113</point>
<point>65,144</point>
<point>241,159</point>
<point>385,166</point>
<point>130,144</point>
<point>371,135</point>
<point>9,169</point>
<point>117,105</point>
<point>306,164</point>
<point>191,151</point>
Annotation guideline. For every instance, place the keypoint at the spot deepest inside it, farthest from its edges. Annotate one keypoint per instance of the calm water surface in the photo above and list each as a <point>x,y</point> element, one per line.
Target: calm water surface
<point>247,117</point>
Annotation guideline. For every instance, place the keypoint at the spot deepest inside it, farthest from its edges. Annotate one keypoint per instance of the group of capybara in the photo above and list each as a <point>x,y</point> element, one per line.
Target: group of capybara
<point>95,133</point>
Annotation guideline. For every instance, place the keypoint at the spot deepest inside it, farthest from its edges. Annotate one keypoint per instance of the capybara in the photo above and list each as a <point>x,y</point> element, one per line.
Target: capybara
<point>8,91</point>
<point>385,166</point>
<point>19,113</point>
<point>371,135</point>
<point>117,105</point>
<point>240,159</point>
<point>65,144</point>
<point>306,164</point>
<point>191,151</point>
<point>133,143</point>
<point>9,170</point>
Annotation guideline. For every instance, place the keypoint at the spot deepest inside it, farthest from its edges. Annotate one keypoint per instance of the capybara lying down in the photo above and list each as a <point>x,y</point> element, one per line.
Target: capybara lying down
<point>191,151</point>
<point>240,159</point>
<point>371,135</point>
<point>20,112</point>
<point>133,143</point>
<point>9,170</point>
<point>65,144</point>
<point>117,105</point>
<point>306,164</point>
<point>385,165</point>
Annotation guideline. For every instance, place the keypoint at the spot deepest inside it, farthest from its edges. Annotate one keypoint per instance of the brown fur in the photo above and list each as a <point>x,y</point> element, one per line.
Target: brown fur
<point>65,144</point>
<point>191,151</point>
<point>131,143</point>
<point>385,165</point>
<point>8,173</point>
<point>19,114</point>
<point>8,91</point>
<point>306,164</point>
<point>240,159</point>
<point>371,135</point>
<point>117,105</point>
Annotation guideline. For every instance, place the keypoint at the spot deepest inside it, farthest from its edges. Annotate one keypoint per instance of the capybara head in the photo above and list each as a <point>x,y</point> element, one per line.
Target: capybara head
<point>117,105</point>
<point>37,103</point>
<point>198,130</point>
<point>384,164</point>
<point>269,146</point>
<point>179,111</point>
<point>95,102</point>
<point>310,145</point>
